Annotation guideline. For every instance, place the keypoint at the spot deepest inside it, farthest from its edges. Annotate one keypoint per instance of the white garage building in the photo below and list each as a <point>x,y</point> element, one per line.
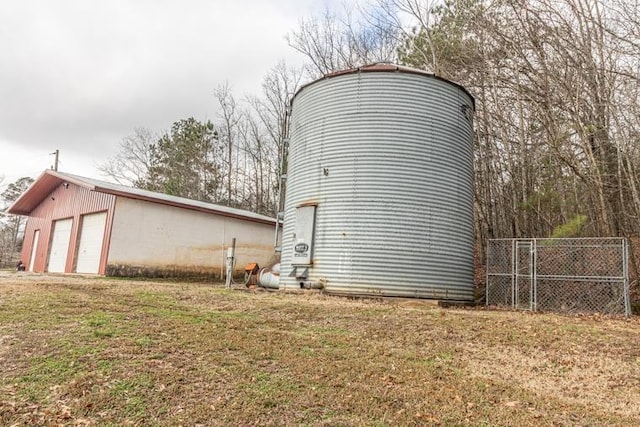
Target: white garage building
<point>82,225</point>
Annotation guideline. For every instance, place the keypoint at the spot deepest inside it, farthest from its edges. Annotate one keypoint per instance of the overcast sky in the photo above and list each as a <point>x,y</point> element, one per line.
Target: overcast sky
<point>79,76</point>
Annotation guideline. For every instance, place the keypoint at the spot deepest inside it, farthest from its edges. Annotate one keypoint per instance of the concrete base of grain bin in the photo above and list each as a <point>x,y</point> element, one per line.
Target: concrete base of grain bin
<point>457,304</point>
<point>311,284</point>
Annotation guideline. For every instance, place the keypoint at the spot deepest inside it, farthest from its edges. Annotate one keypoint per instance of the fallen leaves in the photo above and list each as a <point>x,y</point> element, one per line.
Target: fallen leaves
<point>192,354</point>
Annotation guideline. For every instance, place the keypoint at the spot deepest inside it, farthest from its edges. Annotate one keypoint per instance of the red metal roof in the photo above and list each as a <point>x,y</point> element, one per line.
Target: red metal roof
<point>41,188</point>
<point>50,180</point>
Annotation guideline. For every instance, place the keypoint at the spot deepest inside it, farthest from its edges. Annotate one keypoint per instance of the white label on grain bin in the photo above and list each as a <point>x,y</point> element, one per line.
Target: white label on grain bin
<point>305,221</point>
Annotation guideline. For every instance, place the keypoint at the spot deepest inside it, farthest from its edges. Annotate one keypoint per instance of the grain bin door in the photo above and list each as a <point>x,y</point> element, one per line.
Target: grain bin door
<point>90,245</point>
<point>59,245</point>
<point>303,239</point>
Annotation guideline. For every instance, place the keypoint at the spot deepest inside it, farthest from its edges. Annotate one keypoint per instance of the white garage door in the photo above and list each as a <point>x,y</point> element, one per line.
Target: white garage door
<point>34,249</point>
<point>90,247</point>
<point>59,245</point>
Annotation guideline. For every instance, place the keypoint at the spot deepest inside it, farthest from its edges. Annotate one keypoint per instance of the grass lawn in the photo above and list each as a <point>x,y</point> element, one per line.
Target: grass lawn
<point>95,351</point>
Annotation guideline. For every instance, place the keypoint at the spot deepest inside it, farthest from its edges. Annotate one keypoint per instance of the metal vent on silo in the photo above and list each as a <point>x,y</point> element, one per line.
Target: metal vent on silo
<point>379,195</point>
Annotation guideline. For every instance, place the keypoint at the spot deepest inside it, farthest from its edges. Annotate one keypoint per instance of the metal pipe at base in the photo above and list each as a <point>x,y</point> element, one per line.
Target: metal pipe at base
<point>270,278</point>
<point>275,269</point>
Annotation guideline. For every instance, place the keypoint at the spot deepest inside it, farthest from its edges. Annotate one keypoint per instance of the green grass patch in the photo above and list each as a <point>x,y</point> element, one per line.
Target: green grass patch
<point>144,341</point>
<point>270,389</point>
<point>46,372</point>
<point>189,315</point>
<point>155,297</point>
<point>131,395</point>
<point>102,325</point>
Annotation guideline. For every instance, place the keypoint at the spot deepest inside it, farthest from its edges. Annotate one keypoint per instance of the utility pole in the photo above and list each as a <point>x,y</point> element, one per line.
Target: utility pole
<point>55,162</point>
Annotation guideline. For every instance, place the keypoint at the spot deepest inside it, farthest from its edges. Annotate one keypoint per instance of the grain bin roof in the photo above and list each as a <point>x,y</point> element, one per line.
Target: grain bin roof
<point>49,180</point>
<point>385,67</point>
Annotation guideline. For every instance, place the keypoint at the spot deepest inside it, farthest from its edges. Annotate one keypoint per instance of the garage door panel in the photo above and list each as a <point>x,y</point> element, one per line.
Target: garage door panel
<point>59,245</point>
<point>34,250</point>
<point>90,244</point>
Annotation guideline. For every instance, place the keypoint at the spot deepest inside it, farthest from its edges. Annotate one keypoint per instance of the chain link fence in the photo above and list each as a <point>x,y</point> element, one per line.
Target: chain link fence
<point>578,275</point>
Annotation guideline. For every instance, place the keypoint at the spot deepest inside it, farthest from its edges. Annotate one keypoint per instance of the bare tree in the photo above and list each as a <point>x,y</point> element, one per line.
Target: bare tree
<point>270,110</point>
<point>12,226</point>
<point>334,41</point>
<point>131,164</point>
<point>261,130</point>
<point>230,117</point>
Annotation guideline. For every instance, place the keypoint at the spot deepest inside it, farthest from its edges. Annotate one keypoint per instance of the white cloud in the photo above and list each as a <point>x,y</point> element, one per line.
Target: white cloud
<point>81,75</point>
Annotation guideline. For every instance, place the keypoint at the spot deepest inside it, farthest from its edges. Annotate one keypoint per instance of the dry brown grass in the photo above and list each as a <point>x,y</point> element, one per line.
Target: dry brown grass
<point>93,351</point>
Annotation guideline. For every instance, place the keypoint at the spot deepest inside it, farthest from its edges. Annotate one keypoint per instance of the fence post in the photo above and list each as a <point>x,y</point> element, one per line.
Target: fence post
<point>534,279</point>
<point>625,272</point>
<point>486,273</point>
<point>514,272</point>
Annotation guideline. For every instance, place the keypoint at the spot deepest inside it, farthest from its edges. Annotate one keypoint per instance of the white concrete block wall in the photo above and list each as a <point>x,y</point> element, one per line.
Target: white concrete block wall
<point>161,236</point>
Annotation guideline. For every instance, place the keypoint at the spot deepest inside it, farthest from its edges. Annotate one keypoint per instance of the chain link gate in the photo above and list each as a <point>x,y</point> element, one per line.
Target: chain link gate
<point>564,275</point>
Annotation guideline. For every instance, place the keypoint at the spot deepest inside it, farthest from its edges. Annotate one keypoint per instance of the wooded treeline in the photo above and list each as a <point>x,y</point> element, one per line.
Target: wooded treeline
<point>556,86</point>
<point>11,226</point>
<point>557,150</point>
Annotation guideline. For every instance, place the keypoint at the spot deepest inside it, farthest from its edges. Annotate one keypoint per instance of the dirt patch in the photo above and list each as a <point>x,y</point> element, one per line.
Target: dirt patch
<point>574,377</point>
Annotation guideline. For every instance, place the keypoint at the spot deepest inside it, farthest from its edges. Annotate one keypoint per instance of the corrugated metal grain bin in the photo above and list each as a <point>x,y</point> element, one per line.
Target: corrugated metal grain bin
<point>380,186</point>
